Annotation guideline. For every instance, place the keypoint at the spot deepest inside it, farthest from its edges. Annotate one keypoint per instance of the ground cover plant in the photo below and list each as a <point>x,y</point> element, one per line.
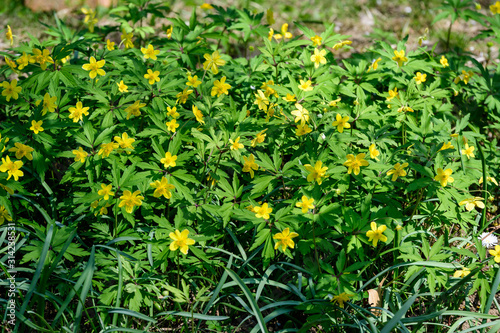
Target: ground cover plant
<point>230,174</point>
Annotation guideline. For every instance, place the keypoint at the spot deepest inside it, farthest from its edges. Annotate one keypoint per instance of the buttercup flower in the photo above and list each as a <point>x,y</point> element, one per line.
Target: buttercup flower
<point>194,82</point>
<point>392,93</point>
<point>461,273</point>
<point>36,126</point>
<point>444,176</point>
<point>49,103</point>
<point>318,57</point>
<point>24,60</point>
<point>262,211</point>
<point>183,96</point>
<point>250,165</point>
<point>374,64</point>
<point>472,203</point>
<point>107,148</point>
<point>206,6</point>
<point>284,239</point>
<point>302,130</point>
<point>306,204</point>
<point>169,32</point>
<point>447,145</point>
<point>340,299</point>
<point>355,163</point>
<point>262,102</point>
<point>80,155</point>
<point>316,40</point>
<point>172,112</point>
<point>420,78</point>
<point>172,125</point>
<point>316,173</point>
<point>76,113</point>
<point>22,151</point>
<point>130,200</point>
<point>199,116</point>
<point>150,52</point>
<point>122,87</point>
<point>489,179</point>
<point>11,63</point>
<point>397,171</point>
<point>341,44</point>
<point>341,123</point>
<point>290,98</point>
<point>169,160</point>
<point>180,240</point>
<point>11,90</point>
<point>212,62</point>
<point>127,40</point>
<point>110,45</point>
<point>495,8</point>
<point>152,77</point>
<point>134,109</point>
<point>162,188</point>
<point>105,191</point>
<point>220,87</point>
<point>373,152</point>
<point>12,168</point>
<point>42,57</point>
<point>259,138</point>
<point>468,151</point>
<point>4,215</point>
<point>305,85</point>
<point>301,114</point>
<point>236,144</point>
<point>444,61</point>
<point>376,234</point>
<point>9,36</point>
<point>399,57</point>
<point>488,239</point>
<point>95,67</point>
<point>124,141</point>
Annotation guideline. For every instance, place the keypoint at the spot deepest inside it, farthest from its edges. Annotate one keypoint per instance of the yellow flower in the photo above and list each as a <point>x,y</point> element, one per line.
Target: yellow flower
<point>122,87</point>
<point>172,125</point>
<point>150,52</point>
<point>305,85</point>
<point>12,168</point>
<point>134,109</point>
<point>152,77</point>
<point>271,34</point>
<point>495,8</point>
<point>306,204</point>
<point>334,102</point>
<point>212,62</point>
<point>444,176</point>
<point>399,57</point>
<point>220,87</point>
<point>341,44</point>
<point>341,123</point>
<point>444,61</point>
<point>162,188</point>
<point>262,102</point>
<point>193,81</point>
<point>105,191</point>
<point>318,57</point>
<point>376,234</point>
<point>289,98</point>
<point>49,103</point>
<point>262,211</point>
<point>373,152</point>
<point>42,57</point>
<point>447,146</point>
<point>24,60</point>
<point>11,90</point>
<point>11,63</point>
<point>490,179</point>
<point>468,151</point>
<point>461,273</point>
<point>250,165</point>
<point>302,130</point>
<point>4,215</point>
<point>199,116</point>
<point>316,40</point>
<point>95,67</point>
<point>110,45</point>
<point>465,76</point>
<point>169,160</point>
<point>127,40</point>
<point>124,141</point>
<point>236,144</point>
<point>284,239</point>
<point>340,299</point>
<point>496,253</point>
<point>80,155</point>
<point>259,138</point>
<point>36,126</point>
<point>206,6</point>
<point>393,93</point>
<point>355,163</point>
<point>284,31</point>
<point>472,203</point>
<point>397,171</point>
<point>107,148</point>
<point>316,173</point>
<point>9,36</point>
<point>130,200</point>
<point>172,112</point>
<point>169,32</point>
<point>420,78</point>
<point>22,150</point>
<point>183,96</point>
<point>374,64</point>
<point>180,240</point>
<point>301,114</point>
<point>76,113</point>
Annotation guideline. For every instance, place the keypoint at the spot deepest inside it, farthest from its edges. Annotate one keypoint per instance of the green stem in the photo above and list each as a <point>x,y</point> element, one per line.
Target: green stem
<point>178,269</point>
<point>485,184</point>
